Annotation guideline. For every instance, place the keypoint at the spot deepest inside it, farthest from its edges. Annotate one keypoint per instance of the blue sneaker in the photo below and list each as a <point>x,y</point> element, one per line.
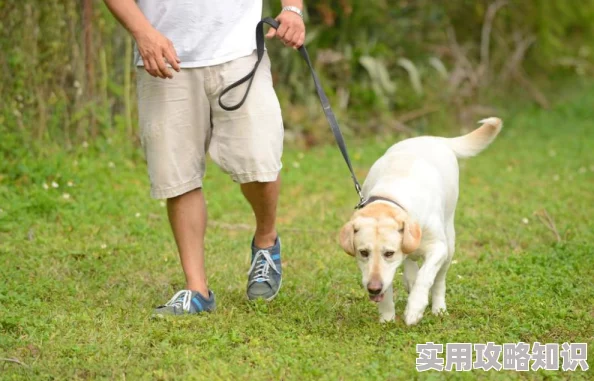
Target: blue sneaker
<point>265,275</point>
<point>187,302</point>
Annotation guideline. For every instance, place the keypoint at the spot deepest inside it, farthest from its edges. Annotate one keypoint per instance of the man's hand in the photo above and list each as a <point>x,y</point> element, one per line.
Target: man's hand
<point>156,50</point>
<point>291,30</point>
<point>152,45</point>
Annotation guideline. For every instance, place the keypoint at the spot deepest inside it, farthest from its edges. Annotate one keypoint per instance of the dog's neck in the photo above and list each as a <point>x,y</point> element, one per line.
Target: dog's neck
<point>379,198</point>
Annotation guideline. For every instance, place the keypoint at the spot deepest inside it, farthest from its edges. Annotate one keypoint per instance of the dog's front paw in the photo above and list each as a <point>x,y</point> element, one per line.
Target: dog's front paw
<point>414,310</point>
<point>387,317</point>
<point>439,309</point>
<point>413,315</point>
<point>417,302</point>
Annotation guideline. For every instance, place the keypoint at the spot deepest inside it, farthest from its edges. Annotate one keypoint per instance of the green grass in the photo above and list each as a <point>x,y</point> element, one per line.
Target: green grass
<point>80,275</point>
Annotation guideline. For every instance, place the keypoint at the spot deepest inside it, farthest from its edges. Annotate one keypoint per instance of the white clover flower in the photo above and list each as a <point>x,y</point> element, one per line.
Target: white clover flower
<point>525,221</point>
<point>45,186</point>
<point>55,184</point>
<point>66,196</point>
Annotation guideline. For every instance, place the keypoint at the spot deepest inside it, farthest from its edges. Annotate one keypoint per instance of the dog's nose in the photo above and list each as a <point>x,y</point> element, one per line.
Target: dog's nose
<point>374,287</point>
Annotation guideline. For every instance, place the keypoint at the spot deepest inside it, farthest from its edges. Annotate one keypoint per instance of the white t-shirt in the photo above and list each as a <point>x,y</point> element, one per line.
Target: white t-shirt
<point>205,32</point>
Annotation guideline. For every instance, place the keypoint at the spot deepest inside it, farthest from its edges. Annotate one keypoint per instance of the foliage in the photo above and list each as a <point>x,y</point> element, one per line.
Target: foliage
<point>83,262</point>
<point>378,60</point>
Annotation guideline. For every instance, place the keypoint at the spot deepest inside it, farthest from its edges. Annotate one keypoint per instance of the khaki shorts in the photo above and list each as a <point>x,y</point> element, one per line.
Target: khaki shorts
<point>181,121</point>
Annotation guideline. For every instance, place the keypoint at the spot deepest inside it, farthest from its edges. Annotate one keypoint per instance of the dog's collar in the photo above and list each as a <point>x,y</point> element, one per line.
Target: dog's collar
<point>371,199</point>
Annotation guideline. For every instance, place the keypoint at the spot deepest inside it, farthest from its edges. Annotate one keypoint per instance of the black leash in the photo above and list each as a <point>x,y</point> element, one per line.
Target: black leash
<point>323,98</point>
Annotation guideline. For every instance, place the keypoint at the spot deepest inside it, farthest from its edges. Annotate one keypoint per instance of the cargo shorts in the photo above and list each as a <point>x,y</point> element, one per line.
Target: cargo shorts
<point>181,121</point>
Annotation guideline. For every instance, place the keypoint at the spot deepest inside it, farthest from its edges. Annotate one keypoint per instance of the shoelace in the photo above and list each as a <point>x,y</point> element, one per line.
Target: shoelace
<point>181,299</point>
<point>262,264</point>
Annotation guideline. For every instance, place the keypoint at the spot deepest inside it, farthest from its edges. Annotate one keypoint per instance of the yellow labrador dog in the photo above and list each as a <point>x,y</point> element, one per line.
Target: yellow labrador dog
<point>411,194</point>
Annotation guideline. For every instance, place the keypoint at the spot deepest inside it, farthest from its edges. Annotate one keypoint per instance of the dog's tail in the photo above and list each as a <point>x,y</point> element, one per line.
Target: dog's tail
<point>474,142</point>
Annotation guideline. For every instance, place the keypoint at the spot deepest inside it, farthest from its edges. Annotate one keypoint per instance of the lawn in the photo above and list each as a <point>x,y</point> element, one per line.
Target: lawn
<point>85,255</point>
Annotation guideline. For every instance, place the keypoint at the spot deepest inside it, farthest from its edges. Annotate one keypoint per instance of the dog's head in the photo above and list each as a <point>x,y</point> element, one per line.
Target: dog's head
<point>379,236</point>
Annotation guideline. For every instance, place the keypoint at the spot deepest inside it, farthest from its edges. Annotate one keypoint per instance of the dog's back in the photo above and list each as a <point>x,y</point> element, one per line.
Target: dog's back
<point>428,164</point>
<point>435,149</point>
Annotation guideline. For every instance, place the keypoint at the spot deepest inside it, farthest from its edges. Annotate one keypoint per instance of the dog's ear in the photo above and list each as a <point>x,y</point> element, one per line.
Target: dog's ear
<point>347,238</point>
<point>411,236</point>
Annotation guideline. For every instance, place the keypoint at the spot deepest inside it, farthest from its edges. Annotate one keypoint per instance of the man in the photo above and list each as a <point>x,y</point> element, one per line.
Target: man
<point>210,44</point>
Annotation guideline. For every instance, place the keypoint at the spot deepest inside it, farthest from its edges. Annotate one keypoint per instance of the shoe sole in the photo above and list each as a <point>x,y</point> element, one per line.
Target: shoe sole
<point>270,297</point>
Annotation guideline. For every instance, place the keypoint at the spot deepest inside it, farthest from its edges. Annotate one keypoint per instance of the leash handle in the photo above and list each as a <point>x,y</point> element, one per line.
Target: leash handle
<point>321,95</point>
<point>250,76</point>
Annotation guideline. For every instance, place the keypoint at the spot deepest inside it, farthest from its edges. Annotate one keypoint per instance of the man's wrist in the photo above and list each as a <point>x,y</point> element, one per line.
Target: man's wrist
<point>139,28</point>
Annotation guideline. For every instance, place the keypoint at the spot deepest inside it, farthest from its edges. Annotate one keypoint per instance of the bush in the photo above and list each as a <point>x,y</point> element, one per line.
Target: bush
<point>69,76</point>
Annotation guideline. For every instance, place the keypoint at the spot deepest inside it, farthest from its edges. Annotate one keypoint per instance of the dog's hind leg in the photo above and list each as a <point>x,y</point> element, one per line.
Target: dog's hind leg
<point>386,306</point>
<point>438,291</point>
<point>409,274</point>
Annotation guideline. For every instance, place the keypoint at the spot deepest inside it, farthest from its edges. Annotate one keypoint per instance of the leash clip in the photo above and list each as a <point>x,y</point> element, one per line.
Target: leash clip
<point>362,201</point>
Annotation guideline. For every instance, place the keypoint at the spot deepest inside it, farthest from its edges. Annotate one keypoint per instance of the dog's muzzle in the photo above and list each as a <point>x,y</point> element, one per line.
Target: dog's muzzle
<point>374,288</point>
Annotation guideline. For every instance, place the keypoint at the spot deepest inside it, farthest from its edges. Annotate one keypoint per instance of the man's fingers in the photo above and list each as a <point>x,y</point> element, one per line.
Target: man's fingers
<point>155,71</point>
<point>301,40</point>
<point>149,70</point>
<point>149,66</point>
<point>172,59</point>
<point>288,39</point>
<point>165,72</point>
<point>271,33</point>
<point>281,31</point>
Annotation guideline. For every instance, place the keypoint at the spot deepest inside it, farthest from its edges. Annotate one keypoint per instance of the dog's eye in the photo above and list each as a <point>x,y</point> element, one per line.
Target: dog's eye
<point>364,253</point>
<point>389,254</point>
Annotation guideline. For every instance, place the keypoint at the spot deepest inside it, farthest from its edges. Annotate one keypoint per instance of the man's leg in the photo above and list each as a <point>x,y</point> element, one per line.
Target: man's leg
<point>265,275</point>
<point>187,216</point>
<point>174,119</point>
<point>248,144</point>
<point>263,197</point>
